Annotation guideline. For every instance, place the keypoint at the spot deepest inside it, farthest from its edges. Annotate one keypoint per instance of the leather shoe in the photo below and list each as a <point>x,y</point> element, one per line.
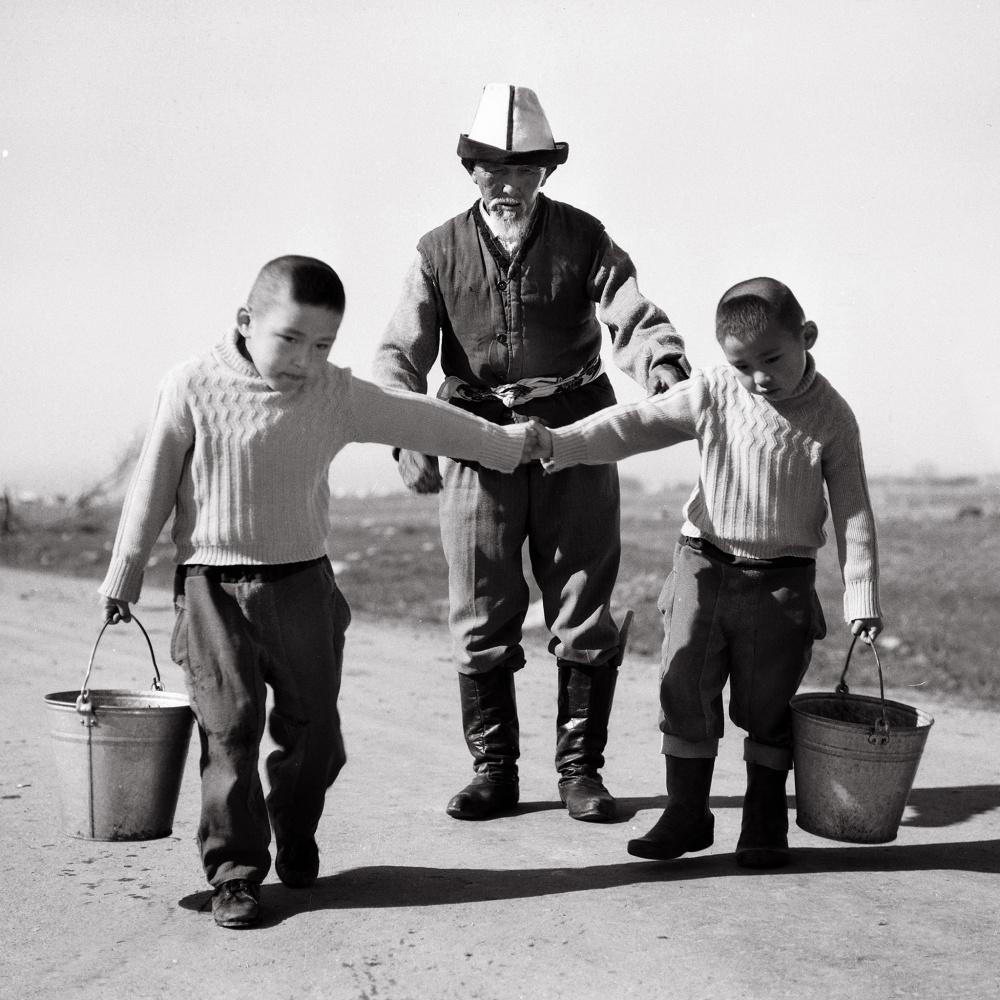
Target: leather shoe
<point>483,797</point>
<point>587,799</point>
<point>236,903</point>
<point>297,864</point>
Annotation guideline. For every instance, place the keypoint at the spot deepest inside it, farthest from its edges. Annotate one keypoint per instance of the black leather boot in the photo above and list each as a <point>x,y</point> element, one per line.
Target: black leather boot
<point>489,715</point>
<point>585,696</point>
<point>763,839</point>
<point>686,824</point>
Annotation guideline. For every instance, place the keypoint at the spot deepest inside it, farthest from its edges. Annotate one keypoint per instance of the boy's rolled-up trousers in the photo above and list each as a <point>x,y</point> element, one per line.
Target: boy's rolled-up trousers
<point>237,629</point>
<point>752,622</point>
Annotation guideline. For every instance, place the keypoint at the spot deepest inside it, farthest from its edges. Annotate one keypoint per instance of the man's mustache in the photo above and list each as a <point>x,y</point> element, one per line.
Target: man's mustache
<point>505,203</point>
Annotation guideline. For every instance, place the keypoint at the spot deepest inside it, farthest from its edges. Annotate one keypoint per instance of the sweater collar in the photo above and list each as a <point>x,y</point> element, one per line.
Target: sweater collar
<point>228,350</point>
<point>808,377</point>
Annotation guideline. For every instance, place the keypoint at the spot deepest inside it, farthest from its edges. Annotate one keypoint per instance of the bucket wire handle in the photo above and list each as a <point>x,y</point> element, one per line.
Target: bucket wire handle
<point>83,703</point>
<point>880,735</point>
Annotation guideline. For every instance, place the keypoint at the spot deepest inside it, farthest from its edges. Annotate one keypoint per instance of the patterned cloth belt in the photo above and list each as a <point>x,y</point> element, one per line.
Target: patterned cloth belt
<point>514,393</point>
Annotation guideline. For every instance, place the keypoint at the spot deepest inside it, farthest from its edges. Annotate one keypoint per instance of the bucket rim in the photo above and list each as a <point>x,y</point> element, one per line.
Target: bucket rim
<point>167,699</point>
<point>924,719</point>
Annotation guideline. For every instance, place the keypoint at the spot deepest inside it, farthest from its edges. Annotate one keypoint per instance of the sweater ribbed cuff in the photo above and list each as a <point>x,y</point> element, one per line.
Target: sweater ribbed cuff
<point>503,447</point>
<point>123,581</point>
<point>861,601</point>
<point>568,448</point>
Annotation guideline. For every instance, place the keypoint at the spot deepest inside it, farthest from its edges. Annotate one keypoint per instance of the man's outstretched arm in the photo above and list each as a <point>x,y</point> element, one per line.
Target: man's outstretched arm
<point>646,346</point>
<point>406,354</point>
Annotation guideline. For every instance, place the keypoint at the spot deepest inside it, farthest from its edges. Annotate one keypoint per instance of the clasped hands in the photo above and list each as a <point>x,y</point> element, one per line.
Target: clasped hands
<point>537,443</point>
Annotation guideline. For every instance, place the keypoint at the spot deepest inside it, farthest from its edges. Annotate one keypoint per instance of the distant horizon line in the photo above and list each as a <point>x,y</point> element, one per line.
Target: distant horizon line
<point>629,482</point>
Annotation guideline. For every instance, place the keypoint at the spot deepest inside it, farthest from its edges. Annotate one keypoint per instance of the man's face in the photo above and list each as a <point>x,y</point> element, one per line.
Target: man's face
<point>772,364</point>
<point>289,342</point>
<point>508,191</point>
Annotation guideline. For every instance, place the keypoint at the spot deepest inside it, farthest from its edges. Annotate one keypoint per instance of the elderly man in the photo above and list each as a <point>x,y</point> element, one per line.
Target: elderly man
<point>512,292</point>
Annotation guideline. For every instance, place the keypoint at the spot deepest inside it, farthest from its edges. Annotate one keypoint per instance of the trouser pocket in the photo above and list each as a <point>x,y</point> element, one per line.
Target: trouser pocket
<point>178,638</point>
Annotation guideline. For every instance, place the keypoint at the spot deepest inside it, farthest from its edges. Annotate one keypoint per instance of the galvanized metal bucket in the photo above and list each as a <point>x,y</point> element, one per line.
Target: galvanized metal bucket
<point>855,761</point>
<point>120,757</point>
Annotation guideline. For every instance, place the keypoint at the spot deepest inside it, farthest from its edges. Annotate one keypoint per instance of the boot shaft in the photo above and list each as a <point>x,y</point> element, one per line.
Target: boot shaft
<point>689,783</point>
<point>489,720</point>
<point>586,694</point>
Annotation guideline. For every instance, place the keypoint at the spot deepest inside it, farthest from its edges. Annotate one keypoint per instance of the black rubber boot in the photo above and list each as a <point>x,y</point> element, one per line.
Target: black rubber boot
<point>763,839</point>
<point>686,824</point>
<point>585,696</point>
<point>489,715</point>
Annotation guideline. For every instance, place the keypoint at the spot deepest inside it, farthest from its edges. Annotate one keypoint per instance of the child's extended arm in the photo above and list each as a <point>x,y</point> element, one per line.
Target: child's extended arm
<point>149,501</point>
<point>854,526</point>
<point>619,431</point>
<point>414,422</point>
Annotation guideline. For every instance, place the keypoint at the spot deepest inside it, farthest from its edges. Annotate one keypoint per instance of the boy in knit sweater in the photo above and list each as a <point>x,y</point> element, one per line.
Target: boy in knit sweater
<point>239,450</point>
<point>740,600</point>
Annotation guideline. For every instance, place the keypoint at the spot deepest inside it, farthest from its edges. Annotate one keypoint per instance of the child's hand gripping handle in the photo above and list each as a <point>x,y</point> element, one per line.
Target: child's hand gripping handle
<point>867,628</point>
<point>115,611</point>
<point>880,734</point>
<point>83,704</point>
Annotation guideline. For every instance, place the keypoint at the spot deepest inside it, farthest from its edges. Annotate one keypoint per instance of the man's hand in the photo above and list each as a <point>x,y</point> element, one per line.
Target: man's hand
<point>114,611</point>
<point>867,628</point>
<point>419,472</point>
<point>537,442</point>
<point>662,380</point>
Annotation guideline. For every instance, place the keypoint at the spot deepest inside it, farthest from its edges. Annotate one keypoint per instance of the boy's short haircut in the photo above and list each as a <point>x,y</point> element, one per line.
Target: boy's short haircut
<point>308,281</point>
<point>750,307</point>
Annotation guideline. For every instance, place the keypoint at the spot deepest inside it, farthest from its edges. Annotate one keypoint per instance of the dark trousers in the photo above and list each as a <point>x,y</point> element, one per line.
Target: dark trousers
<point>571,522</point>
<point>238,629</point>
<point>751,622</point>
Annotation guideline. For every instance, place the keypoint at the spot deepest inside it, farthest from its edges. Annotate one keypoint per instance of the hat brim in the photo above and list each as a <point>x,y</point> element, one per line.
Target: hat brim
<point>469,149</point>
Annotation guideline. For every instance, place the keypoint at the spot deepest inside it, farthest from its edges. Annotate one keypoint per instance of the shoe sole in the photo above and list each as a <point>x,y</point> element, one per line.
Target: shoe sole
<point>592,816</point>
<point>460,814</point>
<point>238,925</point>
<point>651,851</point>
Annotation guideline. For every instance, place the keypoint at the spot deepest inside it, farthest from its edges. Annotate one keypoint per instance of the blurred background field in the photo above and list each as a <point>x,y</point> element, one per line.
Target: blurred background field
<point>939,544</point>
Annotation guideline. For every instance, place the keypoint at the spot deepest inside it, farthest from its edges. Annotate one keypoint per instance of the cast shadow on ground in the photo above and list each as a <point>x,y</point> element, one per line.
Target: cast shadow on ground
<point>382,886</point>
<point>948,806</point>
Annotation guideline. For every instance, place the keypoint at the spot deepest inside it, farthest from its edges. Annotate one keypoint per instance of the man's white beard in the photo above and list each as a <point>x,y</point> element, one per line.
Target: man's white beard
<point>509,228</point>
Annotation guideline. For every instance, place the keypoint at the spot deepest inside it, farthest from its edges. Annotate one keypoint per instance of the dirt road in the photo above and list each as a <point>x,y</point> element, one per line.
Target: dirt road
<point>413,904</point>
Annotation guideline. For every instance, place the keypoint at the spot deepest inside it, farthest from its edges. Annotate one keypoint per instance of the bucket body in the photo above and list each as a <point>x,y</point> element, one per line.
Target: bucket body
<point>852,781</point>
<point>119,765</point>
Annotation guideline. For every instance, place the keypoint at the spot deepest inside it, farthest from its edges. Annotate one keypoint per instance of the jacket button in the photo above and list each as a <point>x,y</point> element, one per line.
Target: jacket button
<point>501,284</point>
<point>502,338</point>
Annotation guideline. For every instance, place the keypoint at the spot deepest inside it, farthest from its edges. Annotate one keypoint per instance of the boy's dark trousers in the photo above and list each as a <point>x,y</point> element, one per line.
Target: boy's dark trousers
<point>237,629</point>
<point>751,621</point>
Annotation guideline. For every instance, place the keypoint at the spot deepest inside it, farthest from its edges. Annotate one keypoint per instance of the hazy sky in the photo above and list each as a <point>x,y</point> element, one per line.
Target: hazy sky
<point>155,155</point>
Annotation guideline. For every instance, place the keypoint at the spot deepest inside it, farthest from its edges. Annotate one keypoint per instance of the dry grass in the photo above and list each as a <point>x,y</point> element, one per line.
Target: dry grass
<point>939,541</point>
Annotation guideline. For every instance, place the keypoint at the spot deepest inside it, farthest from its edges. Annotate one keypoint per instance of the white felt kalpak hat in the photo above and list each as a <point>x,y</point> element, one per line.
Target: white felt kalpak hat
<point>511,127</point>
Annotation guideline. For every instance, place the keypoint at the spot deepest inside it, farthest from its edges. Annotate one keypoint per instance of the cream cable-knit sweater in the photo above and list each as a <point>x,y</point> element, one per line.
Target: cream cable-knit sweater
<point>246,468</point>
<point>763,467</point>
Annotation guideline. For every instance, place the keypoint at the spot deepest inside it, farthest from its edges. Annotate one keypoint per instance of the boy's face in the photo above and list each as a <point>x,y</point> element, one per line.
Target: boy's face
<point>288,342</point>
<point>772,364</point>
